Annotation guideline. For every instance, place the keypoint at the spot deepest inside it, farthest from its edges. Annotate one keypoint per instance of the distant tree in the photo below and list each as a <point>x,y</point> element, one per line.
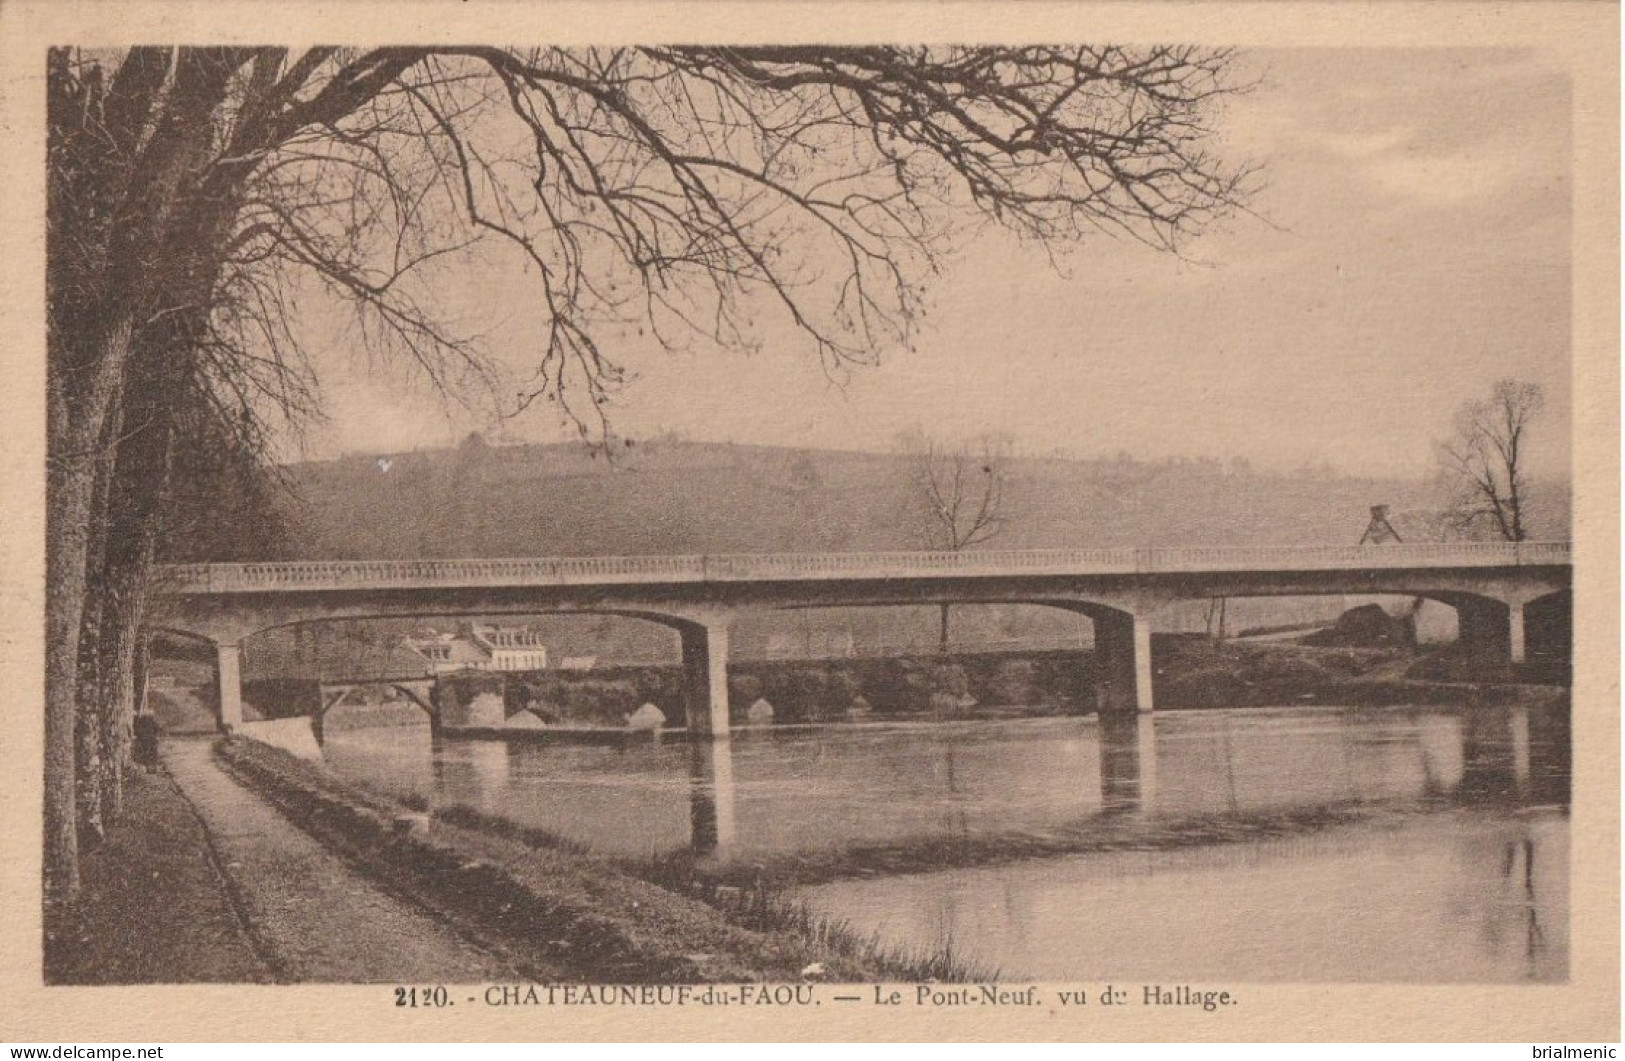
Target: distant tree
<point>1484,462</point>
<point>960,489</point>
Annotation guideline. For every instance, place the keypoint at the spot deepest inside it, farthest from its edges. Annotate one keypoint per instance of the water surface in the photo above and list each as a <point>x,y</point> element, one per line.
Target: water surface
<point>1392,845</point>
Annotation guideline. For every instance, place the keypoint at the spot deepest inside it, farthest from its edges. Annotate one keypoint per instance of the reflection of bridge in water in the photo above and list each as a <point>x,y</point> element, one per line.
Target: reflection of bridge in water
<point>1187,779</point>
<point>1489,760</point>
<point>1495,588</point>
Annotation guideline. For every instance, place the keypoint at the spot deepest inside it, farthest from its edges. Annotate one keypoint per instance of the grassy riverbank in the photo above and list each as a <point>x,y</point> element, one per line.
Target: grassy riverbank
<point>550,905</point>
<point>153,907</point>
<point>1193,673</point>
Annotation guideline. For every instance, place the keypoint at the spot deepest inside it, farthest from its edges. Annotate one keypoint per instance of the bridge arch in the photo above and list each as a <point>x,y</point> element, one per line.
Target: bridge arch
<point>1122,634</point>
<point>1123,649</point>
<point>179,633</point>
<point>1491,620</point>
<point>677,619</point>
<point>703,634</point>
<point>182,645</point>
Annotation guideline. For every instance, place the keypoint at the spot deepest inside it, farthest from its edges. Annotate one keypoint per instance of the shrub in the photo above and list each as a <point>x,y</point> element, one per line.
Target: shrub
<point>950,679</point>
<point>282,697</point>
<point>1014,681</point>
<point>744,688</point>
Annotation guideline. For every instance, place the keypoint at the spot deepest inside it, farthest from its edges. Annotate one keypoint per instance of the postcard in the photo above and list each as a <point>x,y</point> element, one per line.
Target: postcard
<point>715,521</point>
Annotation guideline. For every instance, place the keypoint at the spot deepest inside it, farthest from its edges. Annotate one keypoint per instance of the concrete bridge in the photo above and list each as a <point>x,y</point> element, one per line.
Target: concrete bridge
<point>1492,586</point>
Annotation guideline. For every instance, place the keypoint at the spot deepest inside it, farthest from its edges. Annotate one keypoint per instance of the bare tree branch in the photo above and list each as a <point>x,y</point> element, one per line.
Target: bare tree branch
<point>202,202</point>
<point>961,489</point>
<point>1483,461</point>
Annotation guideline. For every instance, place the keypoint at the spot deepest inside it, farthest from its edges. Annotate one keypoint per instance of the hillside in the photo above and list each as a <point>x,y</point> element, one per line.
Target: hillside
<point>679,497</point>
<point>682,497</point>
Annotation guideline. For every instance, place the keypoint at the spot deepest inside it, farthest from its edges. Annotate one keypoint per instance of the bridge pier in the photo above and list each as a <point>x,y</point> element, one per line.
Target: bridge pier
<point>228,674</point>
<point>1492,631</point>
<point>705,678</point>
<point>1123,647</point>
<point>1517,649</point>
<point>1549,636</point>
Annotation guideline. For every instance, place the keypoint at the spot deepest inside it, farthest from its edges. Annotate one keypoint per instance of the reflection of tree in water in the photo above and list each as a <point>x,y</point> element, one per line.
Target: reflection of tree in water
<point>1522,884</point>
<point>958,812</point>
<point>1507,906</point>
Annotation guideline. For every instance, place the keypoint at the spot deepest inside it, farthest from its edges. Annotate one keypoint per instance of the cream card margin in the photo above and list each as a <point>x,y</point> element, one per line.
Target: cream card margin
<point>1585,37</point>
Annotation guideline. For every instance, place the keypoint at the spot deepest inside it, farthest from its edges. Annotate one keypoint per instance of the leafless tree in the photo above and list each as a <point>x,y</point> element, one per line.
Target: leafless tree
<point>961,494</point>
<point>1484,462</point>
<point>204,201</point>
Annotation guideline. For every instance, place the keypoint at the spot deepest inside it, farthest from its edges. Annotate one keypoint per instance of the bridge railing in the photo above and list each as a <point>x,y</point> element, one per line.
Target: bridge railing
<point>768,567</point>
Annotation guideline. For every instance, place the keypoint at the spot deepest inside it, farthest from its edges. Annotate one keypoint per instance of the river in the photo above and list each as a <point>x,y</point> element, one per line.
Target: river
<point>1423,845</point>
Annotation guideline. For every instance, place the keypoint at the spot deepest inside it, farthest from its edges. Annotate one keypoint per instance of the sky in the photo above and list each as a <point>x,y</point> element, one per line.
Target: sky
<point>1411,246</point>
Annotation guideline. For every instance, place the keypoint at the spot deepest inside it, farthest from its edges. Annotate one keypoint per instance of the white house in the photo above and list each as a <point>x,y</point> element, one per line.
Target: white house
<point>511,647</point>
<point>481,648</point>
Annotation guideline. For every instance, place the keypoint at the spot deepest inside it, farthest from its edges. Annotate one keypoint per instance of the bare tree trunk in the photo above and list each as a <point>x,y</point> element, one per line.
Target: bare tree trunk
<point>135,519</point>
<point>942,642</point>
<point>87,769</point>
<point>89,351</point>
<point>94,313</point>
<point>64,598</point>
<point>89,726</point>
<point>70,507</point>
<point>121,642</point>
<point>140,671</point>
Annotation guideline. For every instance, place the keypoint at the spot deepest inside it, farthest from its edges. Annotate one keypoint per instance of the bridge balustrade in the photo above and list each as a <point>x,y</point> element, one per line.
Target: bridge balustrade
<point>369,574</point>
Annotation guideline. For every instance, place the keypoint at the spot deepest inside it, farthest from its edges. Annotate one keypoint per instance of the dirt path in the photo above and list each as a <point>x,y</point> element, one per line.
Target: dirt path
<point>312,917</point>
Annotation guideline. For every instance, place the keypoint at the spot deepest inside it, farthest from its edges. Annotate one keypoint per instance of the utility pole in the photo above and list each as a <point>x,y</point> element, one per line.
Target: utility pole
<point>1379,530</point>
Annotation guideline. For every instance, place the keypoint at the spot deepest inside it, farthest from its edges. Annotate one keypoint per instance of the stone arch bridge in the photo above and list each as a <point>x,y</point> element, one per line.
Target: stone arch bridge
<point>1490,585</point>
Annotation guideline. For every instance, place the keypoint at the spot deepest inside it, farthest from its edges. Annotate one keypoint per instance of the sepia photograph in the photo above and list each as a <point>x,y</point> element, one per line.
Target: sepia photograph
<point>1083,523</point>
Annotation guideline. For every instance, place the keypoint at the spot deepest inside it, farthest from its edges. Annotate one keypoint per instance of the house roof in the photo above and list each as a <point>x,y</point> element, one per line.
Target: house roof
<point>458,650</point>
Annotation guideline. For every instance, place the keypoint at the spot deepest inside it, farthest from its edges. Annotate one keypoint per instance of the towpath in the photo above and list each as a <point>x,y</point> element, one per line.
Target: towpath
<point>312,918</point>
